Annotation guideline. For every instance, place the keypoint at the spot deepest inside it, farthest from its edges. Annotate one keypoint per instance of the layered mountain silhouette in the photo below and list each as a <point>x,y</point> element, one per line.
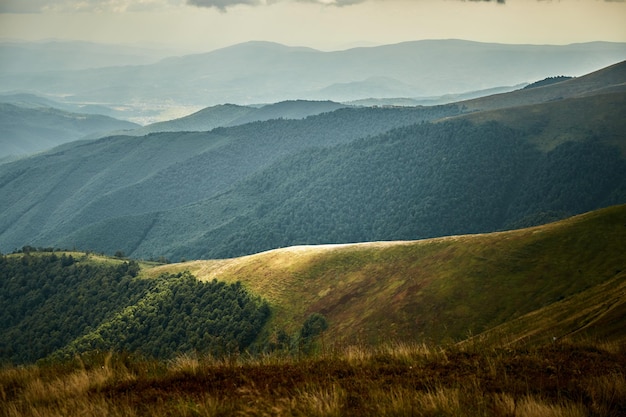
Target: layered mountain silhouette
<point>264,72</point>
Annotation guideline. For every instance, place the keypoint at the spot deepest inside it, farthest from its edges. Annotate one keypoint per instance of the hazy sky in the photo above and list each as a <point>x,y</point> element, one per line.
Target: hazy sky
<point>321,24</point>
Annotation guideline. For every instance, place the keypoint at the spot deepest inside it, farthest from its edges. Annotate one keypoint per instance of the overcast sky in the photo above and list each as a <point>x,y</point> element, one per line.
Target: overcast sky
<point>321,24</point>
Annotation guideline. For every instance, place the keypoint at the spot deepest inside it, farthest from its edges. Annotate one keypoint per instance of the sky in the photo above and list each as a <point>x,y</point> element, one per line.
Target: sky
<point>203,25</point>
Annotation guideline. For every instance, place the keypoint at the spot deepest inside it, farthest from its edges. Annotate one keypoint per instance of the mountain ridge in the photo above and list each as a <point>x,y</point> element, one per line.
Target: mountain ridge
<point>228,115</point>
<point>604,80</point>
<point>350,283</point>
<point>248,73</point>
<point>36,128</point>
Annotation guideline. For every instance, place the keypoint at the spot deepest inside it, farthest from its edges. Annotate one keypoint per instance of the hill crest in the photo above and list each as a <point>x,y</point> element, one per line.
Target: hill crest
<point>606,80</point>
<point>435,290</point>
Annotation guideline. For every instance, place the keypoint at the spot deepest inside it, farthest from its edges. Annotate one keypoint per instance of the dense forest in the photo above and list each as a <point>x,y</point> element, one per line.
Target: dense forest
<point>58,304</point>
<point>418,181</point>
<point>129,176</point>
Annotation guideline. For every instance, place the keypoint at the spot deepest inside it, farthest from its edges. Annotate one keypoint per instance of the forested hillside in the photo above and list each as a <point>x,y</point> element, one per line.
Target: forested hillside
<point>354,174</point>
<point>49,196</point>
<point>415,182</point>
<point>423,180</point>
<point>61,304</point>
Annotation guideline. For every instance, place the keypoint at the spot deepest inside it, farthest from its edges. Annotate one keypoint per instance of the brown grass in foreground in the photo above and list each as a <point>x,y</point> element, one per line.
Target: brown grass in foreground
<point>403,380</point>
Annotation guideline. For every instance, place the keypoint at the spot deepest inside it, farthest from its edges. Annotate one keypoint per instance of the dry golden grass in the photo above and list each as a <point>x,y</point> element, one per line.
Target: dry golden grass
<point>531,407</point>
<point>560,380</point>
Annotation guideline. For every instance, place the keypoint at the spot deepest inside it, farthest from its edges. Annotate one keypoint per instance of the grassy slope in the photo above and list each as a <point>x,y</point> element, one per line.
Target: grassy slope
<point>441,290</point>
<point>548,125</point>
<point>609,79</point>
<point>595,314</point>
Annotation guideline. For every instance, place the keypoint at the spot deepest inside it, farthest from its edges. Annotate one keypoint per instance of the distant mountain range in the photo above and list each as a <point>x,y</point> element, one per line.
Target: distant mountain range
<point>19,57</point>
<point>348,175</point>
<point>263,72</point>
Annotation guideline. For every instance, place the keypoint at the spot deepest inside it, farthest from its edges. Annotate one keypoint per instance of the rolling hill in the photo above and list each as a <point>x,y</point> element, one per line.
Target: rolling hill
<point>38,102</point>
<point>19,57</point>
<point>225,115</point>
<point>606,80</point>
<point>562,280</point>
<point>446,289</point>
<point>121,176</point>
<point>27,130</point>
<point>525,287</point>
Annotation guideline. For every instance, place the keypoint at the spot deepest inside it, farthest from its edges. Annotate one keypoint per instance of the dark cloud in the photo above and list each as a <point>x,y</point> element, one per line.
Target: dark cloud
<point>38,6</point>
<point>338,3</point>
<point>222,4</point>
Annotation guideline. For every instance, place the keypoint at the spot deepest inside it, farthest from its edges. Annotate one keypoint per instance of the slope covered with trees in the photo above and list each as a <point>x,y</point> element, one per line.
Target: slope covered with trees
<point>354,174</point>
<point>419,181</point>
<point>120,176</point>
<point>57,305</point>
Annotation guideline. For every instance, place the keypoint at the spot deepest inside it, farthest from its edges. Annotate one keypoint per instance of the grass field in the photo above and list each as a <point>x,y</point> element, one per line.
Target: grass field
<point>443,290</point>
<point>559,379</point>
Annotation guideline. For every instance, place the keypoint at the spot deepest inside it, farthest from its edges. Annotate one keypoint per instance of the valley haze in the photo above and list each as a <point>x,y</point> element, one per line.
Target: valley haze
<point>252,73</point>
